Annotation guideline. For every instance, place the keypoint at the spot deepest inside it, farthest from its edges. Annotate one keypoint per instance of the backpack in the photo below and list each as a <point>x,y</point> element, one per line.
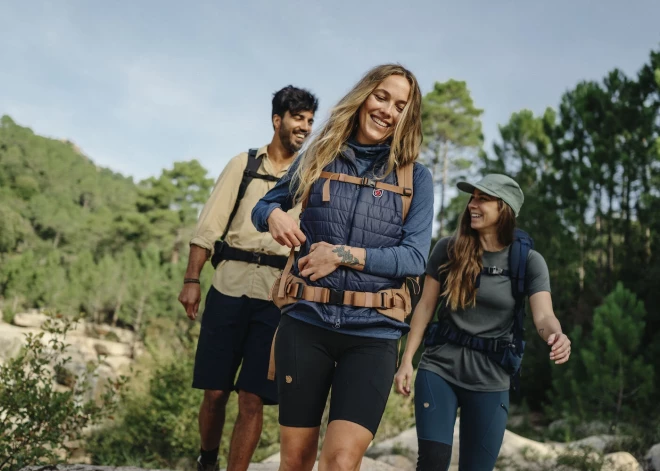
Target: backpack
<point>250,173</point>
<point>508,355</point>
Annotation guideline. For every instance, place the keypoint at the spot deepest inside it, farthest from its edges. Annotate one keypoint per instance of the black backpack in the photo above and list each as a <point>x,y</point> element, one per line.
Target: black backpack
<point>507,355</point>
<point>250,173</point>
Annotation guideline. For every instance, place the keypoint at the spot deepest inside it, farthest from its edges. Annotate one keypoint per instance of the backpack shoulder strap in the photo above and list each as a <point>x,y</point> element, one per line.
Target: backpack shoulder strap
<point>253,163</point>
<point>405,177</point>
<point>518,254</point>
<point>251,168</point>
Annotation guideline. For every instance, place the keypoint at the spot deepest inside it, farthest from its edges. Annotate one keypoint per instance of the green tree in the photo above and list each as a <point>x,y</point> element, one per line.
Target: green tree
<point>173,201</point>
<point>451,126</point>
<point>608,378</point>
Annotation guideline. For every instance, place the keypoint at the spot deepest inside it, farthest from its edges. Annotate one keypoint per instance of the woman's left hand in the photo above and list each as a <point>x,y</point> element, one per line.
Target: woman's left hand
<point>319,262</point>
<point>560,349</point>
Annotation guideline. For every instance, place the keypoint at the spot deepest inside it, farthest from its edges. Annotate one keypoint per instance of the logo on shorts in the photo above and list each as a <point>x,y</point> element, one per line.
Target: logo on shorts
<point>288,379</point>
<point>378,193</point>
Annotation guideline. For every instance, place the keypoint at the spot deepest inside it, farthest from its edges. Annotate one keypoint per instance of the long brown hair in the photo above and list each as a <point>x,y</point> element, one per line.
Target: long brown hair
<point>465,257</point>
<point>326,145</point>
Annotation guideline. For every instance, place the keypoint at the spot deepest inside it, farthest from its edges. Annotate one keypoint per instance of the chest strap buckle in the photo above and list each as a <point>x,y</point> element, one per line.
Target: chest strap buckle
<point>368,182</point>
<point>336,297</point>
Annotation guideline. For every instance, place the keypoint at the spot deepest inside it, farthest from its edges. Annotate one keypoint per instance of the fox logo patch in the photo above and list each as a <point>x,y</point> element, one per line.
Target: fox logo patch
<point>378,193</point>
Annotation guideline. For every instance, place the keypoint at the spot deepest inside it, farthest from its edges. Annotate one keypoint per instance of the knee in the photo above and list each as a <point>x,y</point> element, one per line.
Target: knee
<point>215,400</point>
<point>343,459</point>
<point>302,461</point>
<point>249,404</point>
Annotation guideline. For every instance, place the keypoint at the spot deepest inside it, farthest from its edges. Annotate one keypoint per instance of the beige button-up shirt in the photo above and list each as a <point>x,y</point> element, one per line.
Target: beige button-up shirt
<point>231,277</point>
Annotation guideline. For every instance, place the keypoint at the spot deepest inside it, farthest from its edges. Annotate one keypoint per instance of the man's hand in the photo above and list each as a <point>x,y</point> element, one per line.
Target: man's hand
<point>321,260</point>
<point>284,229</point>
<point>190,296</point>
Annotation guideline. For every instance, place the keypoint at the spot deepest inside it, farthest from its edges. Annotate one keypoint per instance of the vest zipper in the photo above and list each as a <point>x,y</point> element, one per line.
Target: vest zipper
<point>348,237</point>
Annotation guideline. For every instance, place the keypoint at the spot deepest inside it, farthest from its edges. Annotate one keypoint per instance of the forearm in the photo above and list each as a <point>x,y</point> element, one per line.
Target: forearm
<point>420,319</point>
<point>280,196</point>
<point>395,262</point>
<point>547,325</point>
<point>351,257</point>
<point>196,260</point>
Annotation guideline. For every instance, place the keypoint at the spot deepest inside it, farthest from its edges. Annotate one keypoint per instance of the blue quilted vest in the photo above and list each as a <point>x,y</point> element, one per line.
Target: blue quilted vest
<point>355,216</point>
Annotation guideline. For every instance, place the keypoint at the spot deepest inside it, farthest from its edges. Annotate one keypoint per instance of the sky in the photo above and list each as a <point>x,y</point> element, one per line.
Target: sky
<point>138,85</point>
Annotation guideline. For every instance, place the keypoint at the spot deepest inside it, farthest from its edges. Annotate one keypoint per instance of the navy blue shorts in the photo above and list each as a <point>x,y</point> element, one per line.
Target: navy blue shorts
<point>236,332</point>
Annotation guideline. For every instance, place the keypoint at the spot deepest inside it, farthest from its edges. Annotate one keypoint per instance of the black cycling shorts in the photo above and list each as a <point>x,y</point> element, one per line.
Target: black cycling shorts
<point>310,360</point>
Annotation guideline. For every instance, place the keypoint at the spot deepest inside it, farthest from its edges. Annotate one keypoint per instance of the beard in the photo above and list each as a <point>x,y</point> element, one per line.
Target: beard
<point>288,141</point>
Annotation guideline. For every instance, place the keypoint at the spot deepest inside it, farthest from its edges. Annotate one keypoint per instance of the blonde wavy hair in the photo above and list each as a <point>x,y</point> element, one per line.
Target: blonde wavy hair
<point>329,141</point>
<point>465,258</point>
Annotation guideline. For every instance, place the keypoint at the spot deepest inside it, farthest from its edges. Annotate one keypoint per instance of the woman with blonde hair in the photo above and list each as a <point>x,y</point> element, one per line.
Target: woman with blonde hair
<point>477,282</point>
<point>365,227</point>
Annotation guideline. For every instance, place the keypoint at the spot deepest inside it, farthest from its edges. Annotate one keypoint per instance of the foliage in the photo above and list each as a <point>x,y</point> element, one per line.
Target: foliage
<point>608,378</point>
<point>38,418</point>
<point>79,238</point>
<point>156,426</point>
<point>452,135</point>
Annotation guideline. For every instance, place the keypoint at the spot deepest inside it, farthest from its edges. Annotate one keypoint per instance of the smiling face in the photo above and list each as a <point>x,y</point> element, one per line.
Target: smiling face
<point>381,111</point>
<point>484,212</point>
<point>293,129</point>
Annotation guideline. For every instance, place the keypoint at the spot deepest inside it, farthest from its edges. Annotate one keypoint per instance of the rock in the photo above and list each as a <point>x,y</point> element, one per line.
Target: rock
<point>597,442</point>
<point>558,425</point>
<point>621,461</point>
<point>86,467</point>
<point>592,428</point>
<point>367,465</point>
<point>12,339</point>
<point>107,332</point>
<point>403,444</point>
<point>120,365</point>
<point>30,319</point>
<point>272,463</point>
<point>101,349</point>
<point>398,461</point>
<point>653,458</point>
<point>519,450</point>
<point>515,421</point>
<point>110,348</point>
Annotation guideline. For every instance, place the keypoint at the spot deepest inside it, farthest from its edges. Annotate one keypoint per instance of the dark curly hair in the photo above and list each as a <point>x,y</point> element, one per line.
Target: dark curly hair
<point>294,100</point>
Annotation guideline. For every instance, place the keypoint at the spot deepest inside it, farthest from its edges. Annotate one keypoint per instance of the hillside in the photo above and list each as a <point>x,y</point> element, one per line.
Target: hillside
<point>81,238</point>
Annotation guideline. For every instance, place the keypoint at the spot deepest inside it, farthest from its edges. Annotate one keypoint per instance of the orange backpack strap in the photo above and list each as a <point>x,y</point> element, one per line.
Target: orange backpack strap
<point>405,176</point>
<point>363,181</point>
<point>393,303</point>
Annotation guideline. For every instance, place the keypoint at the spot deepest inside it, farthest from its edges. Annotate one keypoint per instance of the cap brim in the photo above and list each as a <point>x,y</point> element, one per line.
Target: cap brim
<point>469,188</point>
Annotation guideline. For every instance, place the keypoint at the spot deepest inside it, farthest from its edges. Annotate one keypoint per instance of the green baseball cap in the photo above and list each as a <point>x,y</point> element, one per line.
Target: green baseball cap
<point>500,186</point>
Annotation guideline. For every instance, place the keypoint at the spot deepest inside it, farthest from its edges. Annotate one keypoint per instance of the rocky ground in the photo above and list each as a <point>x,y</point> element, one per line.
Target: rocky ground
<point>118,348</point>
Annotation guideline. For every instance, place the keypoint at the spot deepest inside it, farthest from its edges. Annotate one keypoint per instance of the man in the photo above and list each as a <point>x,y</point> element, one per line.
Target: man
<point>239,321</point>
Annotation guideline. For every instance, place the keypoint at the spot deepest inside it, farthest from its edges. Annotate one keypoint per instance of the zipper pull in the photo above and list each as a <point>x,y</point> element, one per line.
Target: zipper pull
<point>337,324</point>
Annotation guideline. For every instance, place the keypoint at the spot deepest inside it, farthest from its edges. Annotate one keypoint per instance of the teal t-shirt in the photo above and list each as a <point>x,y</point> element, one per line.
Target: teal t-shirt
<point>492,316</point>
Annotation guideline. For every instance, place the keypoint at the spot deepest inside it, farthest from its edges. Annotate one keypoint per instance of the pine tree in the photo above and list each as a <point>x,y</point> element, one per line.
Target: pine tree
<point>607,378</point>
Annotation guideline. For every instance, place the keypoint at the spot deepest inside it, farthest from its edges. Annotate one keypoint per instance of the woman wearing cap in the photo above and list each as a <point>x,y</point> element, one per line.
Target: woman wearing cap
<point>459,369</point>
